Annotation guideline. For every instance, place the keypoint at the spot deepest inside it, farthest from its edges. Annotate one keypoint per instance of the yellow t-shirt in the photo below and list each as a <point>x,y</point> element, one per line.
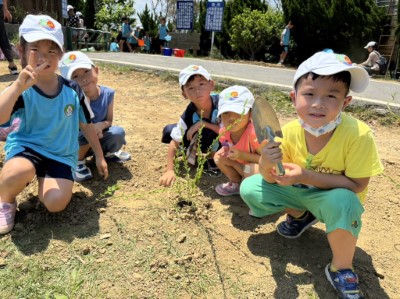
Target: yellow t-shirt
<point>350,151</point>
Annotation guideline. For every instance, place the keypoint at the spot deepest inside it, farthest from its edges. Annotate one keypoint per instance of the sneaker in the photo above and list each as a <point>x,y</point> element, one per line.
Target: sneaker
<point>211,169</point>
<point>345,282</point>
<point>119,157</point>
<point>7,215</point>
<point>227,189</point>
<point>13,70</point>
<point>82,172</point>
<point>293,228</point>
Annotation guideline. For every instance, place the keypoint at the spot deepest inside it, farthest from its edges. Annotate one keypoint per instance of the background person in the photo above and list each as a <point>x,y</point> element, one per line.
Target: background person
<point>371,64</point>
<point>4,41</point>
<point>162,33</point>
<point>285,40</point>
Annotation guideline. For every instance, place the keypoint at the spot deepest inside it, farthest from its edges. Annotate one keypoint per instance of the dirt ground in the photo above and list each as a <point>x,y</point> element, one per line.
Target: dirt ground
<point>127,237</point>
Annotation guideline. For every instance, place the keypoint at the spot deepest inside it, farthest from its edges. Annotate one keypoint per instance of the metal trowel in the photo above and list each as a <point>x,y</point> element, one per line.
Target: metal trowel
<point>266,125</point>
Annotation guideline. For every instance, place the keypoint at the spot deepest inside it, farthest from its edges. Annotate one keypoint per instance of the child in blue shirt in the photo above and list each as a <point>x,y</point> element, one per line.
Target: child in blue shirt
<point>78,67</point>
<point>51,110</point>
<point>126,31</point>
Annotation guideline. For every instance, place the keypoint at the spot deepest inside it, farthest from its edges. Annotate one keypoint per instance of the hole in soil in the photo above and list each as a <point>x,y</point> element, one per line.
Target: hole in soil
<point>184,203</point>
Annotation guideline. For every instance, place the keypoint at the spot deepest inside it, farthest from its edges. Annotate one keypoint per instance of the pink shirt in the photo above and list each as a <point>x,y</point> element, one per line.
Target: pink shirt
<point>247,142</point>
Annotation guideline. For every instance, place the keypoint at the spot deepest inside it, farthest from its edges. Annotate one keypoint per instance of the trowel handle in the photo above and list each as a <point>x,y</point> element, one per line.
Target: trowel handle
<point>270,137</point>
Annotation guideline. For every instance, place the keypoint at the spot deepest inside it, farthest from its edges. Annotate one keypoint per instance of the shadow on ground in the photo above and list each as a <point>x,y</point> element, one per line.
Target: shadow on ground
<point>35,227</point>
<point>311,253</point>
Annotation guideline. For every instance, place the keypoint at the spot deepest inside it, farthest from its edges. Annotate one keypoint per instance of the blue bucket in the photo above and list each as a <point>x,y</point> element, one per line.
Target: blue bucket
<point>167,52</point>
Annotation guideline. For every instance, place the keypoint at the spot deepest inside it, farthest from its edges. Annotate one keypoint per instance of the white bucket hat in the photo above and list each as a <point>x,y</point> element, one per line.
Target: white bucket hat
<point>41,27</point>
<point>325,64</point>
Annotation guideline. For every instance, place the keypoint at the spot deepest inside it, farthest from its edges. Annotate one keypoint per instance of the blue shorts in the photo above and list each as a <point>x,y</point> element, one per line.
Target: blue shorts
<point>46,167</point>
<point>285,48</point>
<point>338,208</point>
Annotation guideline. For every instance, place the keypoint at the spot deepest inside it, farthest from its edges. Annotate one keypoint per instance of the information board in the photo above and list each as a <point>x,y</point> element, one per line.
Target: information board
<point>214,16</point>
<point>184,14</point>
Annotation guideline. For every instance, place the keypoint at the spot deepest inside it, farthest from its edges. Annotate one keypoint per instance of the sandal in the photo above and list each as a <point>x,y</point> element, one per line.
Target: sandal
<point>13,70</point>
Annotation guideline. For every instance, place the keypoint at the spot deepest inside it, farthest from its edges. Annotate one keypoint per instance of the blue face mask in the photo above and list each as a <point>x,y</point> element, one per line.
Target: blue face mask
<point>329,127</point>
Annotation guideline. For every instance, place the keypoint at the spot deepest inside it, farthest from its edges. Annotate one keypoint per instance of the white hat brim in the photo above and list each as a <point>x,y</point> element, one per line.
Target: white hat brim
<point>359,76</point>
<point>32,37</point>
<point>73,68</point>
<point>239,109</point>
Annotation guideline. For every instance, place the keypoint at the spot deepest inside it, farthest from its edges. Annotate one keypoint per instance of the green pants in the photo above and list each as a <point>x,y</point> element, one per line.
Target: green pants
<point>338,208</point>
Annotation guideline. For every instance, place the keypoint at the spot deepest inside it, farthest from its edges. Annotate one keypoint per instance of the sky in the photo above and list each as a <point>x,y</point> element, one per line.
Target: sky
<point>140,4</point>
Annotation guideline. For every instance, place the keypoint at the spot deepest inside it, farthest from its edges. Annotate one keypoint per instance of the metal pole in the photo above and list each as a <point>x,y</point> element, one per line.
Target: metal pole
<point>212,42</point>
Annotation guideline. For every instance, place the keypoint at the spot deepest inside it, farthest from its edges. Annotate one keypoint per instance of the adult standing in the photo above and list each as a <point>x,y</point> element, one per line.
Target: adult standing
<point>285,39</point>
<point>4,41</point>
<point>73,21</point>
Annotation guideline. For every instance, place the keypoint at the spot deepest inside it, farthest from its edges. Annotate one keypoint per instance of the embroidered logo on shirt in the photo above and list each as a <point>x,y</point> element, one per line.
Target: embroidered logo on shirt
<point>354,224</point>
<point>47,24</point>
<point>69,109</point>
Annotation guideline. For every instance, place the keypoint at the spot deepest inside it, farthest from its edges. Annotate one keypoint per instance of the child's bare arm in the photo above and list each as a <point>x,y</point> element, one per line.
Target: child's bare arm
<point>26,78</point>
<point>297,175</point>
<point>235,154</point>
<point>90,134</point>
<point>169,175</point>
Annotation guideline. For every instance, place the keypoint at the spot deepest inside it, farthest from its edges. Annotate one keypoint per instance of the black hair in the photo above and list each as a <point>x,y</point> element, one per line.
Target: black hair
<point>344,77</point>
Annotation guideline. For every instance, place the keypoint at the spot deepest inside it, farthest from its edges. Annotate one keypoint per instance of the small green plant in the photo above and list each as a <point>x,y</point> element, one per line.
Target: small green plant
<point>109,192</point>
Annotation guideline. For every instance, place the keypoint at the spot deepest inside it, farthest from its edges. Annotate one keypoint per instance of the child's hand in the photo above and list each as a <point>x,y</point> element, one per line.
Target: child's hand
<point>98,127</point>
<point>271,154</point>
<point>193,129</point>
<point>28,76</point>
<point>293,175</point>
<point>167,178</point>
<point>234,154</point>
<point>102,167</point>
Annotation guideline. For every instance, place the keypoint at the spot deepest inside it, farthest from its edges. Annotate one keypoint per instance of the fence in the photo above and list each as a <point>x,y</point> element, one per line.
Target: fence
<point>78,38</point>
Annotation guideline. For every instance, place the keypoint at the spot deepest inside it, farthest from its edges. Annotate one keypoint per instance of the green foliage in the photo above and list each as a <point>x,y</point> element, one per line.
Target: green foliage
<point>149,21</point>
<point>254,31</point>
<point>344,26</point>
<point>111,13</point>
<point>232,9</point>
<point>89,13</point>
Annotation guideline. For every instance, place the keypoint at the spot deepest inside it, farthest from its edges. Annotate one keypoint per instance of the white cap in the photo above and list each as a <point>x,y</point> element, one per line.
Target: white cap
<point>41,27</point>
<point>190,71</point>
<point>370,44</point>
<point>236,99</point>
<point>78,13</point>
<point>325,64</point>
<point>72,61</point>
<point>69,7</point>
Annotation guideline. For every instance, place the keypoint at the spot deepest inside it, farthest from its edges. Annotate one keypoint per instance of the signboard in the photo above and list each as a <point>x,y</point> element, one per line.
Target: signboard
<point>64,4</point>
<point>214,15</point>
<point>184,14</point>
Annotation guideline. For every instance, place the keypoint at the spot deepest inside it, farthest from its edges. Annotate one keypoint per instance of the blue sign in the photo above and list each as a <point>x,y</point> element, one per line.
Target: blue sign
<point>214,15</point>
<point>184,14</point>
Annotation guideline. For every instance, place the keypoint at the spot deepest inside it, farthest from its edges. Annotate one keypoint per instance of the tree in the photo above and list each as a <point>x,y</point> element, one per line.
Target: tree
<point>89,13</point>
<point>149,21</point>
<point>342,25</point>
<point>112,11</point>
<point>232,9</point>
<point>253,31</point>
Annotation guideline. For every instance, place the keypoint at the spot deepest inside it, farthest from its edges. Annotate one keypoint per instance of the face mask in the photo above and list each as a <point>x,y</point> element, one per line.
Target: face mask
<point>329,127</point>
